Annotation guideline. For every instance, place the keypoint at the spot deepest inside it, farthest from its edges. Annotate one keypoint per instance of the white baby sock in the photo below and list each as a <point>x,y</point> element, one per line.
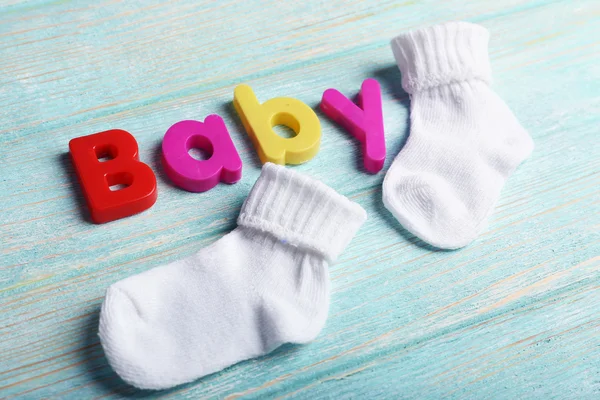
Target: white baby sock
<point>464,142</point>
<point>264,284</point>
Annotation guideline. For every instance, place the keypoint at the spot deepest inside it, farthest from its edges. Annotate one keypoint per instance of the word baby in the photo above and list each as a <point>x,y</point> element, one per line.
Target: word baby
<point>110,159</point>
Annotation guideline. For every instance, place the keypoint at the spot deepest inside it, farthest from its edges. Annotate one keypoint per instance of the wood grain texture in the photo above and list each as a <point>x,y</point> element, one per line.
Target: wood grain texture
<point>513,315</point>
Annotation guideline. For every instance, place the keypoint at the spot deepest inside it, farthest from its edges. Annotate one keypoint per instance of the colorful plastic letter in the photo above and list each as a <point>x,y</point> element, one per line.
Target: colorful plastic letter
<point>122,168</point>
<point>364,122</point>
<point>224,163</point>
<point>259,120</point>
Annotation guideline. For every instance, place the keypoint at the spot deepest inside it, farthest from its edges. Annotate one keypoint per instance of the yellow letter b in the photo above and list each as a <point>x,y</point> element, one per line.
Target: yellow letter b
<point>259,120</point>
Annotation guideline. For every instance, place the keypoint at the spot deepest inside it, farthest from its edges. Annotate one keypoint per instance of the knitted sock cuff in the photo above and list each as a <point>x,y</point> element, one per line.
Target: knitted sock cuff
<point>442,54</point>
<point>301,211</point>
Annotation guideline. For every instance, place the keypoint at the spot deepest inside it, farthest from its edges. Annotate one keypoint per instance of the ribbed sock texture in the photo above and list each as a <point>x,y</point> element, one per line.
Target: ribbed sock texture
<point>464,142</point>
<point>264,284</point>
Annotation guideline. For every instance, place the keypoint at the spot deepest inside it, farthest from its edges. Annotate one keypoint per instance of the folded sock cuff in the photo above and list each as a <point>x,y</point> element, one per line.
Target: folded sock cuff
<point>442,54</point>
<point>301,211</point>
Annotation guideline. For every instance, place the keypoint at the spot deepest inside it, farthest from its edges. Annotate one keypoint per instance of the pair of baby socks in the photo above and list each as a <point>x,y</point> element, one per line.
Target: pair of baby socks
<point>266,283</point>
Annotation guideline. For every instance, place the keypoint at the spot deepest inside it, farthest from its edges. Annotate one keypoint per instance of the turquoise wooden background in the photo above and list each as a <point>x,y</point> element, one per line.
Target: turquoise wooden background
<point>514,315</point>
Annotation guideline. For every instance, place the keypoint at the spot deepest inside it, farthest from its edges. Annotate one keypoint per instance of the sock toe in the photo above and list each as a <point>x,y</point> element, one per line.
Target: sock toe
<point>427,207</point>
<point>119,317</point>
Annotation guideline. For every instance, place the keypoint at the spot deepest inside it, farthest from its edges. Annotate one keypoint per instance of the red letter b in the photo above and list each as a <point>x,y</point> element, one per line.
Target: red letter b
<point>136,180</point>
